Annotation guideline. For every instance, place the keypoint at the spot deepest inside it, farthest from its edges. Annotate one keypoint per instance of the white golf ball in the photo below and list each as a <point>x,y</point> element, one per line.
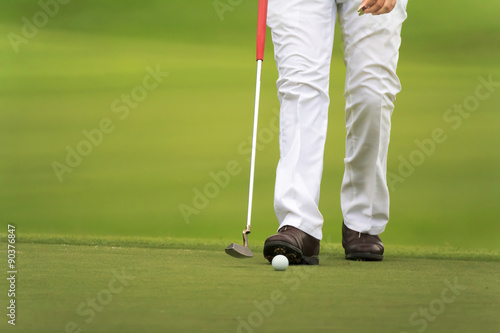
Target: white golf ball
<point>280,262</point>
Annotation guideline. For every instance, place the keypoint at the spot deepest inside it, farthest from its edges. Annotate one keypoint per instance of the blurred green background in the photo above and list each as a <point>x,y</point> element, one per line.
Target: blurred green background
<point>65,77</point>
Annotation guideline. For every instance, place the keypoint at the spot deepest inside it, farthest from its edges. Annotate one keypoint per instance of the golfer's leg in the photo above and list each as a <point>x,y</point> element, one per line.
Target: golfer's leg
<point>302,33</point>
<point>371,49</point>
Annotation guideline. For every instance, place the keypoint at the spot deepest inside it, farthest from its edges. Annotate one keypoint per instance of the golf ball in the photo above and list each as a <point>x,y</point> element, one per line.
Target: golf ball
<point>280,262</point>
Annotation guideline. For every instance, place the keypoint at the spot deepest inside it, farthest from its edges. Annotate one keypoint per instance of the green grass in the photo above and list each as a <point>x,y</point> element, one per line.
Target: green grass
<point>120,206</point>
<point>182,285</point>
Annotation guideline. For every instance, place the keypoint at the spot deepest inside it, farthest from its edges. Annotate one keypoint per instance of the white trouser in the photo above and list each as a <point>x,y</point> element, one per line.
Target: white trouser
<point>302,33</point>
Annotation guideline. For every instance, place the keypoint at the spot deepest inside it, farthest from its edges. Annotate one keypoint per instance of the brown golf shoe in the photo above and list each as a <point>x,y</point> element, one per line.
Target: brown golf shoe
<point>361,247</point>
<point>299,247</point>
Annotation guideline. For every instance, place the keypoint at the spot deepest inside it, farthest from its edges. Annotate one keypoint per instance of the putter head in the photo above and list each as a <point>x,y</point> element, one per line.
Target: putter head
<point>239,251</point>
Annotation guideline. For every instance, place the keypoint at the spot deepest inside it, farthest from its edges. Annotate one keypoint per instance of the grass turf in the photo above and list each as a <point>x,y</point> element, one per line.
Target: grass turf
<point>182,285</point>
<point>64,80</point>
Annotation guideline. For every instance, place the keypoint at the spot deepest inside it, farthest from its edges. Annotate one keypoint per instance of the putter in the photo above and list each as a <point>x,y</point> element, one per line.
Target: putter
<point>236,250</point>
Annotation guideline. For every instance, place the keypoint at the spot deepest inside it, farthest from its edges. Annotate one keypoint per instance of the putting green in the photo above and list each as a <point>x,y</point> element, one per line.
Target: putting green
<point>82,236</point>
<point>178,285</point>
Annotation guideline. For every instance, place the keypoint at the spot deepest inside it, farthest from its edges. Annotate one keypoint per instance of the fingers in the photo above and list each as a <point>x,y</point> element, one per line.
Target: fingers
<point>377,7</point>
<point>366,3</point>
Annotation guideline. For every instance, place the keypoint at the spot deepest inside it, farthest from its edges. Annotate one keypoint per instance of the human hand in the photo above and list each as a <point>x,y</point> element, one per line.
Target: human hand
<point>376,7</point>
